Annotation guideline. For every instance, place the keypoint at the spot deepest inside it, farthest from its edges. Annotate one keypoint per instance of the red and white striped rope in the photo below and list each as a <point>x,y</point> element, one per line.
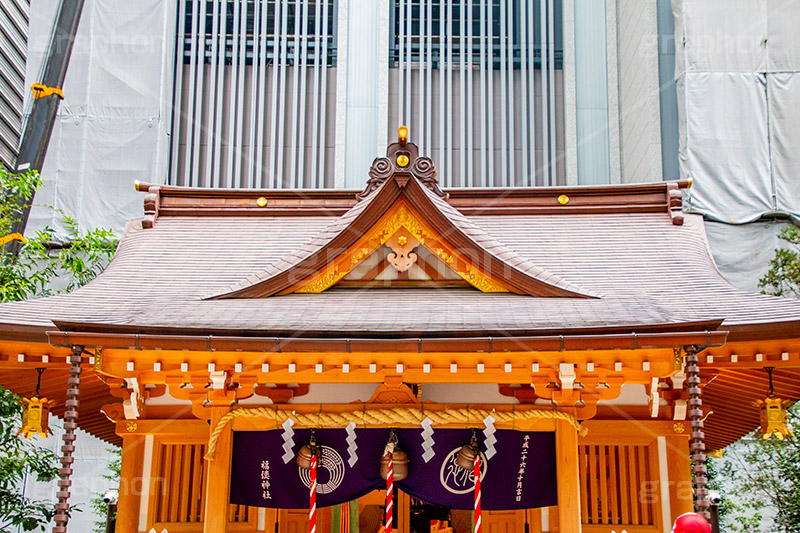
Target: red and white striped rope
<point>477,475</point>
<point>389,494</point>
<point>312,497</point>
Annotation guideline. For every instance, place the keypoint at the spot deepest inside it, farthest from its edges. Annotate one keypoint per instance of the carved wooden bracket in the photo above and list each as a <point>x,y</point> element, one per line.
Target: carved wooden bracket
<point>394,390</point>
<point>402,160</point>
<point>401,243</point>
<point>113,411</point>
<point>282,393</point>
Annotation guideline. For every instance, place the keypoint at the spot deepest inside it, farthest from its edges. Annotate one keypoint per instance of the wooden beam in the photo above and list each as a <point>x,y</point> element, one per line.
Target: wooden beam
<point>569,494</point>
<point>218,479</point>
<point>130,483</point>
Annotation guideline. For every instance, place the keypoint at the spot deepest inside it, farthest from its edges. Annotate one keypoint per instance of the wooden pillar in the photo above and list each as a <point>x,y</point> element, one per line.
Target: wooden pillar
<point>680,478</point>
<point>569,494</point>
<point>218,480</point>
<point>130,484</point>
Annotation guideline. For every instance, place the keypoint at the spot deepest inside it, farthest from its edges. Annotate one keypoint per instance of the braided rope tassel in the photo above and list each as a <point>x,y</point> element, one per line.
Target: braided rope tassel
<point>389,494</point>
<point>312,498</point>
<point>477,475</point>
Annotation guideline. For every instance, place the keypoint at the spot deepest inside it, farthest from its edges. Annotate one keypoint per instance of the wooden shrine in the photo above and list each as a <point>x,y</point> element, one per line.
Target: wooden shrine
<point>595,314</point>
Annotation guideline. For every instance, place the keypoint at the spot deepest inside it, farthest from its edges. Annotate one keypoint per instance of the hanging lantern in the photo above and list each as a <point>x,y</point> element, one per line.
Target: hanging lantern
<point>467,454</point>
<point>399,460</point>
<point>36,413</point>
<point>307,452</point>
<point>773,418</point>
<point>773,413</point>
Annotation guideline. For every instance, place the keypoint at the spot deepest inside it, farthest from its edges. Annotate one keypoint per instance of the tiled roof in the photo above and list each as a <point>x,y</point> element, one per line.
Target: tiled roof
<point>647,271</point>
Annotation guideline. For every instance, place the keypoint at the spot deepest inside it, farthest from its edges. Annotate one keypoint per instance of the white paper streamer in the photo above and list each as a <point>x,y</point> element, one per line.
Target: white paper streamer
<point>288,440</point>
<point>352,447</point>
<point>427,439</point>
<point>489,439</point>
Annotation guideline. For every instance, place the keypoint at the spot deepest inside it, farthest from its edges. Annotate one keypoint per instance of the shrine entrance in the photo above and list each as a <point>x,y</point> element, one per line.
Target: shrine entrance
<point>413,516</point>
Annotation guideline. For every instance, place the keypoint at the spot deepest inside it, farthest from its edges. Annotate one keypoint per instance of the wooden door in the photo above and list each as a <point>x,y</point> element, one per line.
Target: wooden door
<point>502,521</point>
<point>296,520</point>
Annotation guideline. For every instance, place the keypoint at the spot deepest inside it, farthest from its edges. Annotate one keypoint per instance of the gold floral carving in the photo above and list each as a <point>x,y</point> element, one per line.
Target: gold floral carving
<point>364,252</point>
<point>323,282</point>
<point>402,218</point>
<point>677,359</point>
<point>480,281</point>
<point>444,256</point>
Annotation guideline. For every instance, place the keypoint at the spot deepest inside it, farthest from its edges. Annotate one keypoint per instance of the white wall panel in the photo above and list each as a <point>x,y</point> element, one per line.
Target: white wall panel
<point>591,87</point>
<point>639,105</point>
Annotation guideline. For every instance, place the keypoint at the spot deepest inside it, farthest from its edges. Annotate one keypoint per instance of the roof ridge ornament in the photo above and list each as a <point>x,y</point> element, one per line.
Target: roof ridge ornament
<point>402,161</point>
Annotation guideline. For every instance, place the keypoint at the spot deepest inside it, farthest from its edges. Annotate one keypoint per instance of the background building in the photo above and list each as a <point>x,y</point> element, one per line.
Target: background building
<point>301,93</point>
<point>13,48</point>
<point>305,93</point>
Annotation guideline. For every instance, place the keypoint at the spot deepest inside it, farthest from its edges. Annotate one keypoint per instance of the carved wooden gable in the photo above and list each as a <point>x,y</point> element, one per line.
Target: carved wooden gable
<point>403,232</point>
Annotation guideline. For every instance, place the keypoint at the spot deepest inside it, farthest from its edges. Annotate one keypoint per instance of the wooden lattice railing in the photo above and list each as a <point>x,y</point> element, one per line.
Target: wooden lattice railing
<point>617,484</point>
<point>180,485</point>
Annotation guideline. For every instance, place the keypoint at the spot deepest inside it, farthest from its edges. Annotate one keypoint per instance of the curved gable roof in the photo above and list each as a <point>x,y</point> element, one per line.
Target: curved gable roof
<point>403,192</point>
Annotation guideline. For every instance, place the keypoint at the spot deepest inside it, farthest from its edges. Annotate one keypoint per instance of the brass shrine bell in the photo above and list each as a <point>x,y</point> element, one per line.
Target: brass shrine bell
<point>306,453</point>
<point>466,455</point>
<point>399,464</point>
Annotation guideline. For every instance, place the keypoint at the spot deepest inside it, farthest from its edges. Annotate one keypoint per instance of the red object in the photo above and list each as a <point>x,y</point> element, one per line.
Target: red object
<point>691,523</point>
<point>312,498</point>
<point>389,494</point>
<point>477,475</point>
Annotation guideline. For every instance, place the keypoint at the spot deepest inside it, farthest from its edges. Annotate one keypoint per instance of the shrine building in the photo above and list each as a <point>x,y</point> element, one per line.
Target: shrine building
<point>579,340</point>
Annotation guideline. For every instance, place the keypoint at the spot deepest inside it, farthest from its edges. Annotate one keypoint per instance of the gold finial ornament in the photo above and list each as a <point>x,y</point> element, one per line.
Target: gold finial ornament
<point>402,135</point>
<point>563,199</point>
<point>261,202</point>
<point>402,160</point>
<point>35,415</point>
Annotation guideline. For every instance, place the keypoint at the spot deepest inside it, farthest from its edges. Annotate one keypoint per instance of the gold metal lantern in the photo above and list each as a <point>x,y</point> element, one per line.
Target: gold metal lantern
<point>35,417</point>
<point>773,418</point>
<point>773,413</point>
<point>36,413</point>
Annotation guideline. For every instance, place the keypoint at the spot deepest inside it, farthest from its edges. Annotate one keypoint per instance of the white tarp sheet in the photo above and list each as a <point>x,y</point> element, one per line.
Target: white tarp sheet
<point>784,112</point>
<point>739,106</point>
<point>112,126</point>
<point>742,252</point>
<point>724,145</point>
